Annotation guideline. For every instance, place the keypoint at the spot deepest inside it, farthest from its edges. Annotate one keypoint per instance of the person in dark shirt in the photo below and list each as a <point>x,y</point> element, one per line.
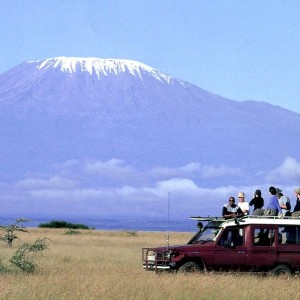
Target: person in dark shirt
<point>231,210</point>
<point>258,202</point>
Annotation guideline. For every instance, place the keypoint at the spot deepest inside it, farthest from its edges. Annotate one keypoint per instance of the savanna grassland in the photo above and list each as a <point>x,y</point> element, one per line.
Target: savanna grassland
<point>107,265</point>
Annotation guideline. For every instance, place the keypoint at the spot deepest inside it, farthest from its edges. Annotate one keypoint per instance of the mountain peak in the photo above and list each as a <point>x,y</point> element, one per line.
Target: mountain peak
<point>99,66</point>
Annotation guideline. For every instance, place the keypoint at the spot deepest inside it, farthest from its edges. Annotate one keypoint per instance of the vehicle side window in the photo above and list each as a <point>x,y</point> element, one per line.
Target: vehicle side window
<point>289,235</point>
<point>263,237</point>
<point>232,237</point>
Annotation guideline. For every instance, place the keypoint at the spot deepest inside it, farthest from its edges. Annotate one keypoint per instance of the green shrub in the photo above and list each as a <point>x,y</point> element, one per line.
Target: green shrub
<point>9,230</point>
<point>62,224</point>
<point>132,232</point>
<point>23,256</point>
<point>72,231</point>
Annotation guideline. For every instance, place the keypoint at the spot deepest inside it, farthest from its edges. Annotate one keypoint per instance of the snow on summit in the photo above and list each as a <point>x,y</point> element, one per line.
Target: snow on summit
<point>100,66</point>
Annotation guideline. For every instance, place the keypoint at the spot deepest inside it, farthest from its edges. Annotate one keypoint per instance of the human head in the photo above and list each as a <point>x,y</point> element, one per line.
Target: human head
<point>272,190</point>
<point>279,192</point>
<point>241,196</point>
<point>297,192</point>
<point>231,201</point>
<point>257,193</point>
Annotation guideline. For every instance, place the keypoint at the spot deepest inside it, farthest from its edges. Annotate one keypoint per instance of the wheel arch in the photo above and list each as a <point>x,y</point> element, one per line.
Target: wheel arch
<point>198,260</point>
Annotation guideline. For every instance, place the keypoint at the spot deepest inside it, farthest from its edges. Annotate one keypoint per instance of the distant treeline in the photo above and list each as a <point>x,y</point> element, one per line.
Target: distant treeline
<point>63,224</point>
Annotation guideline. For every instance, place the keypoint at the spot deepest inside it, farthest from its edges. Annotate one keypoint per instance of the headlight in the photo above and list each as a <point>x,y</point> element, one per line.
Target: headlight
<point>151,257</point>
<point>168,254</point>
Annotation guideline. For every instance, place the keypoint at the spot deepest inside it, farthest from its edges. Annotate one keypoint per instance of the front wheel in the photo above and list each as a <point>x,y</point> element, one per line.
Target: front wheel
<point>189,267</point>
<point>281,270</point>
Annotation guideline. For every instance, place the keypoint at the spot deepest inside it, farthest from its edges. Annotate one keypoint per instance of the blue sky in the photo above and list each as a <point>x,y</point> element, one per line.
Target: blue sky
<point>237,49</point>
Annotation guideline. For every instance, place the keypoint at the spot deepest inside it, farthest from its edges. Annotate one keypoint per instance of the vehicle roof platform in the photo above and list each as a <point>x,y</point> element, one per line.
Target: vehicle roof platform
<point>251,219</point>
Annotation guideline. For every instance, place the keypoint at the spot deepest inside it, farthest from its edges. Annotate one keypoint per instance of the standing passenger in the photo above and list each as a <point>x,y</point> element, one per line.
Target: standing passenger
<point>243,204</point>
<point>296,212</point>
<point>258,202</point>
<point>273,208</point>
<point>284,202</point>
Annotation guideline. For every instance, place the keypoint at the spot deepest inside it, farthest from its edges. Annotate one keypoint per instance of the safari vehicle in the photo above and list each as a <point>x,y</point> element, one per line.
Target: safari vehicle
<point>251,244</point>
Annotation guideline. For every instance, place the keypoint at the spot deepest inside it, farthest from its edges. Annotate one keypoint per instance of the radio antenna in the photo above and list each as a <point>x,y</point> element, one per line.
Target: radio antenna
<point>168,236</point>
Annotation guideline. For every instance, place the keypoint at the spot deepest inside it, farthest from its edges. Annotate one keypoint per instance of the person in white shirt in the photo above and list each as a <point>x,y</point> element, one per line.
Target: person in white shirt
<point>244,206</point>
<point>284,202</point>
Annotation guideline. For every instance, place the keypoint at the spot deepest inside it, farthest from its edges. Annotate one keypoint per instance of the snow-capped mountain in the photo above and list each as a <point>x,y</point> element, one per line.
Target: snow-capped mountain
<point>68,109</point>
<point>100,67</point>
<point>83,86</point>
<point>129,109</point>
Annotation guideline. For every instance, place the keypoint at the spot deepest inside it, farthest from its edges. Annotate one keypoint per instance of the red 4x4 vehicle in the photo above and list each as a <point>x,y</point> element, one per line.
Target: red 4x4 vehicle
<point>250,243</point>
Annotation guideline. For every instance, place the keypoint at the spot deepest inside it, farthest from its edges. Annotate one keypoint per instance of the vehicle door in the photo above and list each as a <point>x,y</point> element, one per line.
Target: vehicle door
<point>289,245</point>
<point>230,251</point>
<point>262,249</point>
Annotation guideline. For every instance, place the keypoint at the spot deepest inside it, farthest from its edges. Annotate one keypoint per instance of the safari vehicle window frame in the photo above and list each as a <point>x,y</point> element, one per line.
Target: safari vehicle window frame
<point>234,240</point>
<point>284,229</point>
<point>265,235</point>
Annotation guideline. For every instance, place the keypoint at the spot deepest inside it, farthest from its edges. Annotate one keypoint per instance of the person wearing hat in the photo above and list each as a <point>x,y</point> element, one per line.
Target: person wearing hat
<point>273,208</point>
<point>243,204</point>
<point>258,202</point>
<point>284,202</point>
<point>296,212</point>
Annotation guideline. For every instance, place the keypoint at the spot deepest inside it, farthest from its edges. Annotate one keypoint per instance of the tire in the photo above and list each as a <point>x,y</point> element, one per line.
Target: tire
<point>189,267</point>
<point>281,270</point>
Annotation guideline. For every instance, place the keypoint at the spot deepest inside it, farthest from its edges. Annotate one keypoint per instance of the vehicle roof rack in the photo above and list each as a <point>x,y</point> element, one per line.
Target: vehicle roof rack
<point>208,218</point>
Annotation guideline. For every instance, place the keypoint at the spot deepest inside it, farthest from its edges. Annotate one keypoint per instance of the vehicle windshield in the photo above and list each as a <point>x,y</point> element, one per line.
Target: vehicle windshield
<point>207,235</point>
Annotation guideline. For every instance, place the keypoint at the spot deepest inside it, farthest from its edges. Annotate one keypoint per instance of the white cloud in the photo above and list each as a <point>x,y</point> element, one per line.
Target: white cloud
<point>287,172</point>
<point>127,194</point>
<point>41,183</point>
<point>115,169</point>
<point>219,172</point>
<point>177,185</point>
<point>202,171</point>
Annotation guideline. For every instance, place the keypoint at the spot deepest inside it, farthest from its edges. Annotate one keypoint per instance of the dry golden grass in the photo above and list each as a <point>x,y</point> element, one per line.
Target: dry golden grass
<point>107,265</point>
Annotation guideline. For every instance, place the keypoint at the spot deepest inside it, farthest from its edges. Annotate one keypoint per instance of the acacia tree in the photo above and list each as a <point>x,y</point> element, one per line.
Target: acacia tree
<point>23,257</point>
<point>9,230</point>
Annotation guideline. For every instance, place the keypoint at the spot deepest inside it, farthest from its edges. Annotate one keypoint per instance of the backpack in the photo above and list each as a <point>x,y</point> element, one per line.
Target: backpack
<point>288,204</point>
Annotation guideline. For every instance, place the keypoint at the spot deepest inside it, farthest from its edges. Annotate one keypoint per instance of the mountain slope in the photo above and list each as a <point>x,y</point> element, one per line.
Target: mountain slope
<point>69,108</point>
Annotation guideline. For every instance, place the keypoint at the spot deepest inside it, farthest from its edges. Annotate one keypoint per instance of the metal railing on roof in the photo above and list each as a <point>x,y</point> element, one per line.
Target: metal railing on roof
<point>222,219</point>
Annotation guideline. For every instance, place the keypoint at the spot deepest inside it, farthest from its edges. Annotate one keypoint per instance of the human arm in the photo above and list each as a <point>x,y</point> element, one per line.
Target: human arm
<point>282,202</point>
<point>239,212</point>
<point>228,214</point>
<point>276,202</point>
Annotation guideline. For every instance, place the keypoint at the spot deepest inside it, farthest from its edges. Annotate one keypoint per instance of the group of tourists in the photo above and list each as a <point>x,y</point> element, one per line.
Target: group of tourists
<point>278,205</point>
